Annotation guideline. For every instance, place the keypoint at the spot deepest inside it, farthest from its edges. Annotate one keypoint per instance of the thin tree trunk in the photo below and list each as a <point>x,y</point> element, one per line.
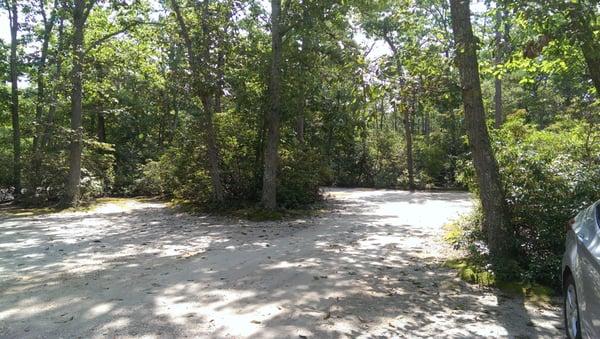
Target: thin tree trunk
<point>220,82</point>
<point>301,108</point>
<point>72,189</point>
<point>41,93</point>
<point>496,219</point>
<point>101,127</point>
<point>300,125</point>
<point>407,121</point>
<point>498,114</point>
<point>269,189</point>
<point>409,148</point>
<point>54,93</point>
<point>395,117</point>
<point>382,113</point>
<point>14,78</point>
<point>204,95</point>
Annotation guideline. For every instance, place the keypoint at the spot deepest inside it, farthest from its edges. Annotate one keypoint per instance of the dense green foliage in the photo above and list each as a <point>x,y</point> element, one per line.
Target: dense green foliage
<point>348,108</point>
<point>549,175</point>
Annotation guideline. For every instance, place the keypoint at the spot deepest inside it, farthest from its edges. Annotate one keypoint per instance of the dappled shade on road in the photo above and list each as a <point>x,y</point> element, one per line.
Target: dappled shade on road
<point>371,265</point>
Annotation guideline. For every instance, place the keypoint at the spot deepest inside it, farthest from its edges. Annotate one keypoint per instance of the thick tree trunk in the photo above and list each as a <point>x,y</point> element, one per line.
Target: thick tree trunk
<point>269,189</point>
<point>583,19</point>
<point>209,109</point>
<point>14,107</point>
<point>212,150</point>
<point>72,189</point>
<point>496,219</point>
<point>591,53</point>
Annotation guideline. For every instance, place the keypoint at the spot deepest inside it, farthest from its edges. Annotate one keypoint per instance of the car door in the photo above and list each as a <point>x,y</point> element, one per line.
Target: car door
<point>589,255</point>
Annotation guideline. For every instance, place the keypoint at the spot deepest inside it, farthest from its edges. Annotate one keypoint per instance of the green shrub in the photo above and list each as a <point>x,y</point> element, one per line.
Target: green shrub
<point>548,176</point>
<point>298,179</point>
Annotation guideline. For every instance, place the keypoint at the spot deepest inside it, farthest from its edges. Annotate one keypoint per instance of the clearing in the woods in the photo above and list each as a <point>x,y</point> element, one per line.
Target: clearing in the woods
<point>371,266</point>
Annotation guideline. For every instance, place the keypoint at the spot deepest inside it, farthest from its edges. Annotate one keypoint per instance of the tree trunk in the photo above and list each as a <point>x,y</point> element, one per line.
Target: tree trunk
<point>409,146</point>
<point>204,94</point>
<point>53,97</point>
<point>14,107</point>
<point>212,150</point>
<point>498,114</point>
<point>582,19</point>
<point>407,118</point>
<point>301,103</point>
<point>101,127</point>
<point>496,219</point>
<point>41,94</point>
<point>269,189</point>
<point>591,53</point>
<point>72,189</point>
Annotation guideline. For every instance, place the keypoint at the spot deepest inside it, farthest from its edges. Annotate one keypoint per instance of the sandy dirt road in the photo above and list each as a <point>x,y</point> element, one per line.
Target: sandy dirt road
<point>368,268</point>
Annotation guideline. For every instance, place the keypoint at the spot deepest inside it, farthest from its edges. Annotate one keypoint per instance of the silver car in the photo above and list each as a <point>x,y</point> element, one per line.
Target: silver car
<point>581,275</point>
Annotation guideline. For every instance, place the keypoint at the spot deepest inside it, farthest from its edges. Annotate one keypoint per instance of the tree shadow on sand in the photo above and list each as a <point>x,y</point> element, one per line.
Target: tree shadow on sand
<point>360,270</point>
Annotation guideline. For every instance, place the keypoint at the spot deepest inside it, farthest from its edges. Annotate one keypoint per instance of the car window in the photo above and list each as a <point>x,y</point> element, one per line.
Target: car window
<point>598,214</point>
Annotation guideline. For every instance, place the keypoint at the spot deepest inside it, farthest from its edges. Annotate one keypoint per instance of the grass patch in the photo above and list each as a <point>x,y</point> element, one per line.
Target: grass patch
<point>260,214</point>
<point>535,293</point>
<point>257,214</point>
<point>453,232</point>
<point>473,273</point>
<point>472,267</point>
<point>247,211</point>
<point>22,212</point>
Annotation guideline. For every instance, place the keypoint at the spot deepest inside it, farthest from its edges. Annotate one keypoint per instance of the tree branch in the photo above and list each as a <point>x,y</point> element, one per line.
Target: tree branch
<point>108,36</point>
<point>88,9</point>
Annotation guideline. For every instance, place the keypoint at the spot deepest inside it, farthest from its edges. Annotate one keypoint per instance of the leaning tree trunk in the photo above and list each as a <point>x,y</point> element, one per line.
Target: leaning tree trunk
<point>496,219</point>
<point>269,189</point>
<point>591,53</point>
<point>14,107</point>
<point>583,20</point>
<point>209,109</point>
<point>72,189</point>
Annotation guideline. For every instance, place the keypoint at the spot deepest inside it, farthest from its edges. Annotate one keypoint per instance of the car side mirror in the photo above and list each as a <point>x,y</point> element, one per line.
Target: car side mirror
<point>569,225</point>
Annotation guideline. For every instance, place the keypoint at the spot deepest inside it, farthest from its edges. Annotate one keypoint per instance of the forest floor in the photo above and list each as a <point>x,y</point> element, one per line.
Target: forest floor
<point>371,266</point>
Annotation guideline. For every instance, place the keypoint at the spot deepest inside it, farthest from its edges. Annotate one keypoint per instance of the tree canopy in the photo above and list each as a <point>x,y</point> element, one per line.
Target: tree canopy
<point>227,103</point>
